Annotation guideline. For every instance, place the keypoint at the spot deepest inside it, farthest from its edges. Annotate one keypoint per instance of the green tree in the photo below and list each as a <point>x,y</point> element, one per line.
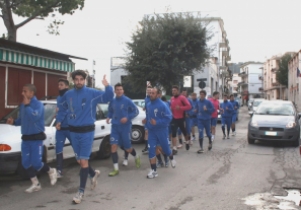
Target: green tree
<point>35,9</point>
<point>282,73</point>
<point>164,48</point>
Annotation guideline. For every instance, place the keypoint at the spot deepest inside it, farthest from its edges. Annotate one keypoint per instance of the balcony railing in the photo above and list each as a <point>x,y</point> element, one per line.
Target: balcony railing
<point>242,74</point>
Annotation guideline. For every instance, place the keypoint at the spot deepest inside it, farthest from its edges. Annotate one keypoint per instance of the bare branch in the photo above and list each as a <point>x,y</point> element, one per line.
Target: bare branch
<point>37,13</point>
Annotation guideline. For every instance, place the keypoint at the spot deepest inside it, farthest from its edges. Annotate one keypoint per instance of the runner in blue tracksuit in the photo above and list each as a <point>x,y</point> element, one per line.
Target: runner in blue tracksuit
<point>121,112</point>
<point>157,120</point>
<point>234,115</point>
<point>226,110</point>
<point>159,158</point>
<point>31,119</point>
<point>62,134</point>
<point>81,104</point>
<point>194,116</point>
<point>146,101</point>
<point>204,111</point>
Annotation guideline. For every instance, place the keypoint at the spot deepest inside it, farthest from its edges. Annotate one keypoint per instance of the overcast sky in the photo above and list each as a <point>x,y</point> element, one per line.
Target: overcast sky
<point>256,29</point>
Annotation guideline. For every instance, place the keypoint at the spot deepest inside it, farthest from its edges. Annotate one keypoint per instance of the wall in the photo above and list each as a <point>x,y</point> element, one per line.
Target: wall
<point>17,77</point>
<point>254,83</point>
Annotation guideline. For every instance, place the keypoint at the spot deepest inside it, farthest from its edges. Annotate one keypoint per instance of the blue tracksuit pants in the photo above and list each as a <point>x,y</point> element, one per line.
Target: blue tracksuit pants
<point>60,138</point>
<point>158,138</point>
<point>121,135</point>
<point>204,124</point>
<point>32,154</point>
<point>188,126</point>
<point>227,121</point>
<point>82,144</point>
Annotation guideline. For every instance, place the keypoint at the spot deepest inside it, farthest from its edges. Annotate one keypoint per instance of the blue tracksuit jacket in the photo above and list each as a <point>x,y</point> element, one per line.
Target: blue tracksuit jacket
<point>190,112</point>
<point>146,100</point>
<point>81,105</point>
<point>201,113</point>
<point>122,107</point>
<point>64,123</point>
<point>31,117</point>
<point>194,105</point>
<point>158,111</point>
<point>226,113</point>
<point>235,103</point>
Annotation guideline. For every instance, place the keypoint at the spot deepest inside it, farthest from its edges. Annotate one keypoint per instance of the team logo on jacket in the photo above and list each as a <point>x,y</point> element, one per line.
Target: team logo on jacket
<point>155,112</point>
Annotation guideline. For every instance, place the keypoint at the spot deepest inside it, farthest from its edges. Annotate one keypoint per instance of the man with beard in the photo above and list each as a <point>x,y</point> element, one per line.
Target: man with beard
<point>62,134</point>
<point>157,120</point>
<point>81,104</point>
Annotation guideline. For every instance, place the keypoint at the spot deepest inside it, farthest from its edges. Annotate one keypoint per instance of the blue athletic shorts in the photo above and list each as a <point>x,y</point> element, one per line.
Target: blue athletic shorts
<point>158,138</point>
<point>32,153</point>
<point>234,116</point>
<point>82,144</point>
<point>121,135</point>
<point>213,122</point>
<point>60,138</point>
<point>226,121</point>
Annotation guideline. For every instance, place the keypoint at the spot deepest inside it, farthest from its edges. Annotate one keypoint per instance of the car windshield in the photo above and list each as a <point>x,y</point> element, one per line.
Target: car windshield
<point>256,103</point>
<point>284,109</point>
<point>49,114</point>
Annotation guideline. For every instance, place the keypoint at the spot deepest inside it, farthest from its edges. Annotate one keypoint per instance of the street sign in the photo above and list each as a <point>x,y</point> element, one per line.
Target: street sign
<point>202,84</point>
<point>187,81</point>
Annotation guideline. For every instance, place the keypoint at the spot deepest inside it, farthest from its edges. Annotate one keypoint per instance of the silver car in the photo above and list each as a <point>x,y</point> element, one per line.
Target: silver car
<point>275,121</point>
<point>255,104</point>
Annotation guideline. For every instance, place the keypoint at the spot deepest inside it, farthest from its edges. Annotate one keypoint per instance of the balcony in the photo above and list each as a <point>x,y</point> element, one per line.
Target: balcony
<point>275,83</point>
<point>242,84</point>
<point>274,70</point>
<point>228,58</point>
<point>242,74</point>
<point>225,53</point>
<point>222,45</point>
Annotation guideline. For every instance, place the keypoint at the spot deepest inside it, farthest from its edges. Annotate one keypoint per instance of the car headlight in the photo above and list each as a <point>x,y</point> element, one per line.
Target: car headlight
<point>290,124</point>
<point>254,123</point>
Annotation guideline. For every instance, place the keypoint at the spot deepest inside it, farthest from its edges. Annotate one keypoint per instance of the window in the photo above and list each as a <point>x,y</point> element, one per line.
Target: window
<point>101,111</point>
<point>235,81</point>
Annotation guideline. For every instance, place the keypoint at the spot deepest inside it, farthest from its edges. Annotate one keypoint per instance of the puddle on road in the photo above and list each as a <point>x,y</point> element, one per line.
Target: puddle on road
<point>263,201</point>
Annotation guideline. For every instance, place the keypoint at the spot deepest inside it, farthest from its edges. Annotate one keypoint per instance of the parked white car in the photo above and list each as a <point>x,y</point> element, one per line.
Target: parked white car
<point>10,138</point>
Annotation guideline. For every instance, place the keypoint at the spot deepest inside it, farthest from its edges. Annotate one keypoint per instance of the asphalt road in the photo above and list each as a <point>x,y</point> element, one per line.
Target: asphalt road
<point>219,179</point>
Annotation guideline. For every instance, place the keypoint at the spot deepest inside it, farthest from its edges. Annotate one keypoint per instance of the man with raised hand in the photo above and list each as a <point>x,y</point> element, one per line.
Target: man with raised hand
<point>81,104</point>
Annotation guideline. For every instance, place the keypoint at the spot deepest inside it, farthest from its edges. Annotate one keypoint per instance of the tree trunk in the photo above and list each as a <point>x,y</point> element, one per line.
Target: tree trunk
<point>9,23</point>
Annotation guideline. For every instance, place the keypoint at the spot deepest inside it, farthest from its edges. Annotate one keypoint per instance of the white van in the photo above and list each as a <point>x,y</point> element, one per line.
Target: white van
<point>10,138</point>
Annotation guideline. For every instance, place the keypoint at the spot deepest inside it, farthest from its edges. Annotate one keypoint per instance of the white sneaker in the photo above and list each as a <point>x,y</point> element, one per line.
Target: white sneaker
<point>234,133</point>
<point>52,176</point>
<point>94,179</point>
<point>152,174</point>
<point>180,146</point>
<point>125,162</point>
<point>173,163</point>
<point>193,139</point>
<point>34,188</point>
<point>78,197</point>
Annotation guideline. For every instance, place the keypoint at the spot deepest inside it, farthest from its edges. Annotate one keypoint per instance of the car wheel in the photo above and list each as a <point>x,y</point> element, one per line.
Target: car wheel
<point>104,151</point>
<point>250,140</point>
<point>137,134</point>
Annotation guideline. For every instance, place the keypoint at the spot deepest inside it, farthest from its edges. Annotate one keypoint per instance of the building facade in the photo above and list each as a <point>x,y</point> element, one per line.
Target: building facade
<point>21,64</point>
<point>294,94</point>
<point>251,79</point>
<point>272,89</point>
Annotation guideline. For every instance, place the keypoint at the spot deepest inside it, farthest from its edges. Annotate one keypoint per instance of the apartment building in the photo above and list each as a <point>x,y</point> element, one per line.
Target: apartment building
<point>294,94</point>
<point>251,79</point>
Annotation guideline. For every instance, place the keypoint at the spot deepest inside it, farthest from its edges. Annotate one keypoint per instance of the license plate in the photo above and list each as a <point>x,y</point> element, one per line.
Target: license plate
<point>269,133</point>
